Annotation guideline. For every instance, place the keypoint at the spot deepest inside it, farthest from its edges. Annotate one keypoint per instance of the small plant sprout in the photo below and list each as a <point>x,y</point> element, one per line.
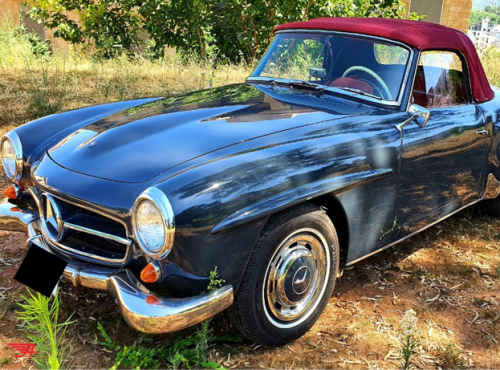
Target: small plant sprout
<point>40,318</point>
<point>408,339</point>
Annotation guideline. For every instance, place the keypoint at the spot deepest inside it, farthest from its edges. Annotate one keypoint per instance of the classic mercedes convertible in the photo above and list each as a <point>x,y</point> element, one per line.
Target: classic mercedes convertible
<point>350,136</point>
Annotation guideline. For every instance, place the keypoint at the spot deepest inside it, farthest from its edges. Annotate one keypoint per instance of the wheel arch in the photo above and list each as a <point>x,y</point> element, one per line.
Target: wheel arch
<point>335,211</point>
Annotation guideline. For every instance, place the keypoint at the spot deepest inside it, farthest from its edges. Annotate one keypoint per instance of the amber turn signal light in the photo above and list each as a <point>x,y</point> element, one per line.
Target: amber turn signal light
<point>152,300</point>
<point>12,192</point>
<point>151,273</point>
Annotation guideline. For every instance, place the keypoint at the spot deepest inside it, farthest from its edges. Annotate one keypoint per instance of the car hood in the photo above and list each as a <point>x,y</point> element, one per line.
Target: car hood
<point>141,142</point>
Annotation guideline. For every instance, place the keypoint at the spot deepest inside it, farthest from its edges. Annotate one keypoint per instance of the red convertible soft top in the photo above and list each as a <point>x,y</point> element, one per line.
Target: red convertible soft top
<point>420,35</point>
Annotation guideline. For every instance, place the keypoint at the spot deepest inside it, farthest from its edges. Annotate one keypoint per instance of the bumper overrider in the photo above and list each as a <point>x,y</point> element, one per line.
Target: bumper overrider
<point>163,315</point>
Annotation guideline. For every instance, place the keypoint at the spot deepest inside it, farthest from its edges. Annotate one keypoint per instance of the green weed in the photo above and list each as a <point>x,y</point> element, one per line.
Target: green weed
<point>5,361</point>
<point>108,342</point>
<point>40,319</point>
<point>183,352</point>
<point>450,357</point>
<point>138,357</point>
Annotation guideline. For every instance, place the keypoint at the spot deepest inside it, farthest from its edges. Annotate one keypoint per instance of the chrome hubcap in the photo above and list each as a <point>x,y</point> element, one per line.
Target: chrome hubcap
<point>296,278</point>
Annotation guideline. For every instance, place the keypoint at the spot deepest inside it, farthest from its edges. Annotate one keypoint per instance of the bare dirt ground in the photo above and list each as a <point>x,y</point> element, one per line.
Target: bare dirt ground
<point>449,274</point>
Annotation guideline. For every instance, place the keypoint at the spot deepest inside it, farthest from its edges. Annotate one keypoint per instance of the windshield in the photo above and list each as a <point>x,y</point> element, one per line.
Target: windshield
<point>356,64</point>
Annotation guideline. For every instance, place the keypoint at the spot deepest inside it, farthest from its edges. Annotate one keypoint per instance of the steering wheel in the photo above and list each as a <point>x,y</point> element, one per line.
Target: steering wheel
<point>383,89</point>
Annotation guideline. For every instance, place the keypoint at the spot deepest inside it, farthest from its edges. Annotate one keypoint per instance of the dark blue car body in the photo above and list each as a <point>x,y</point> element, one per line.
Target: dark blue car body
<point>228,158</point>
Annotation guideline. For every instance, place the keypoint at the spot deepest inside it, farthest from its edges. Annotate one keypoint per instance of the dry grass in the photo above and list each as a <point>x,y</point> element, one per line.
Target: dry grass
<point>32,86</point>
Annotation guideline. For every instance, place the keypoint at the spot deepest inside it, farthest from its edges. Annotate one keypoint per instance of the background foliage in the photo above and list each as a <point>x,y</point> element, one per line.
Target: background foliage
<point>491,12</point>
<point>217,30</point>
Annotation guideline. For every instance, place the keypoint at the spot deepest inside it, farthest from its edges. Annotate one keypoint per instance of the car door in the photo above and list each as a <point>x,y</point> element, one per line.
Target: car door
<point>441,164</point>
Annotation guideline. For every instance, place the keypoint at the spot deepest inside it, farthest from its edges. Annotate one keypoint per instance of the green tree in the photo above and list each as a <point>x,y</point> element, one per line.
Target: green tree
<point>109,26</point>
<point>237,30</point>
<point>215,30</point>
<point>478,16</point>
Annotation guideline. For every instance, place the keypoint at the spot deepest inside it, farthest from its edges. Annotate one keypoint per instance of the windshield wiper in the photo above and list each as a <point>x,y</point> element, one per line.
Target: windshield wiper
<point>361,92</point>
<point>298,84</point>
<point>302,84</point>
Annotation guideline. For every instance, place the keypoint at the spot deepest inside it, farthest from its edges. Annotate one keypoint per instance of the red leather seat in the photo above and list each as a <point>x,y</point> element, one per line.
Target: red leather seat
<point>420,96</point>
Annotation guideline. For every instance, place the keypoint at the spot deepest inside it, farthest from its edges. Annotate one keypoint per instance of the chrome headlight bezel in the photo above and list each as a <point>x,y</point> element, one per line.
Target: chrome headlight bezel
<point>160,201</point>
<point>15,142</point>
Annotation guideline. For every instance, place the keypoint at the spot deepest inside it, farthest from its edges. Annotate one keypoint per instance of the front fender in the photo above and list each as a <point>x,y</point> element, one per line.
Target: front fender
<point>299,195</point>
<point>222,204</point>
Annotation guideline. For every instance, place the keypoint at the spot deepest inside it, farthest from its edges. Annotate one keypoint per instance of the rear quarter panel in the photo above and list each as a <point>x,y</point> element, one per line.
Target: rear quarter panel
<point>491,112</point>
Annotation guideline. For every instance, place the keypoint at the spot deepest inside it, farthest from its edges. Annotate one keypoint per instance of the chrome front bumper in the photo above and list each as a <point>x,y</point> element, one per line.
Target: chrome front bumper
<point>141,309</point>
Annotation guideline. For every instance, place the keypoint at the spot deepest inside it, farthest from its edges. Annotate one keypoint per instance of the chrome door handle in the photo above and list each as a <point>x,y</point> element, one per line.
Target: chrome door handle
<point>482,132</point>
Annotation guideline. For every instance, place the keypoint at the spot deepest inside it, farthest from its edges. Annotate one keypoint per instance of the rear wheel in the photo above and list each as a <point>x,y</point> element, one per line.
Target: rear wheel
<point>290,277</point>
<point>491,203</point>
<point>490,207</point>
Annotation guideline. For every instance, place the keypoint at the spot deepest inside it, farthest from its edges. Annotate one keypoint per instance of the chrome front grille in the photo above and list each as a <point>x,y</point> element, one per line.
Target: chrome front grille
<point>78,230</point>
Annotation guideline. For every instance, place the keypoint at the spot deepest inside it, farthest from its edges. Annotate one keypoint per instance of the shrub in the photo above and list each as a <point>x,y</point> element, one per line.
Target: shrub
<point>491,60</point>
<point>221,31</point>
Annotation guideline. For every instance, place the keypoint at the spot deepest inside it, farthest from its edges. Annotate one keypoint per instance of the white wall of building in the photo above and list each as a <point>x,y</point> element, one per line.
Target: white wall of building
<point>484,35</point>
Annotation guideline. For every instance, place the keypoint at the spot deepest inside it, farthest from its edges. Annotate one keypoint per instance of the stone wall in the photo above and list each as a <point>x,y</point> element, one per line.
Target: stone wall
<point>9,11</point>
<point>455,13</point>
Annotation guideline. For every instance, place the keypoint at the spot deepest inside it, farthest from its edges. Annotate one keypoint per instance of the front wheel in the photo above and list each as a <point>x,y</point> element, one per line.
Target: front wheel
<point>290,277</point>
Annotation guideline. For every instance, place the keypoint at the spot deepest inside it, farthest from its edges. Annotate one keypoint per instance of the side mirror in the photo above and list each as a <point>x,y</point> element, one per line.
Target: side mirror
<point>416,114</point>
<point>419,114</point>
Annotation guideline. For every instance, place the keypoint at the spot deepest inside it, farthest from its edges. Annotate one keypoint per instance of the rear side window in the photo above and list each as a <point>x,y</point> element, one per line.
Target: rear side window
<point>440,81</point>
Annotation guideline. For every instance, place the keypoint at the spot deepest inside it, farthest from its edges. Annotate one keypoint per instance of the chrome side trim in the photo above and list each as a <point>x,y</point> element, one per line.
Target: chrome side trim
<point>107,236</point>
<point>492,188</point>
<point>412,234</point>
<point>298,195</point>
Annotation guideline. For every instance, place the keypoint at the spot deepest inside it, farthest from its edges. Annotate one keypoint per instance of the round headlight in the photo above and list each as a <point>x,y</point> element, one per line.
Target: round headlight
<point>12,156</point>
<point>153,220</point>
<point>149,225</point>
